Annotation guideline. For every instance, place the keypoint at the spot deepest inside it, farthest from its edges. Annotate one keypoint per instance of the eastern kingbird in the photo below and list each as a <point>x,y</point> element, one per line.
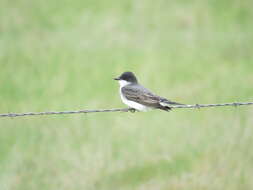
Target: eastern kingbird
<point>136,96</point>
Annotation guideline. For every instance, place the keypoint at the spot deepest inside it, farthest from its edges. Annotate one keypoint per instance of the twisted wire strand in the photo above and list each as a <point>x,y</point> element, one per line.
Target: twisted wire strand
<point>235,104</point>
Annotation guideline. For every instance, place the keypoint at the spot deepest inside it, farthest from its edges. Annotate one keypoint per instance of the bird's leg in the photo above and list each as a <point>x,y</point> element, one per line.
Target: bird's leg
<point>132,110</point>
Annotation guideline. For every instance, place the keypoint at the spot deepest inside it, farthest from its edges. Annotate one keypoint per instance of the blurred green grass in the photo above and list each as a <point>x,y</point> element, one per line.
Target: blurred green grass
<point>62,55</point>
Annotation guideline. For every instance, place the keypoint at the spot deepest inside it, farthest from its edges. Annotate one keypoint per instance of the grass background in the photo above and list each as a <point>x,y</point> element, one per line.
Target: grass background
<point>62,55</point>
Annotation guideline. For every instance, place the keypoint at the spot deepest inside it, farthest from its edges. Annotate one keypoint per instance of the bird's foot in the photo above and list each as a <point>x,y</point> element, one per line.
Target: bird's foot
<point>132,110</point>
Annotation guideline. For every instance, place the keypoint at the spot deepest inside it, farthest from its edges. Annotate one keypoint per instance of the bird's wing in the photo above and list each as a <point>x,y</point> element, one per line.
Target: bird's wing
<point>144,96</point>
<point>141,95</point>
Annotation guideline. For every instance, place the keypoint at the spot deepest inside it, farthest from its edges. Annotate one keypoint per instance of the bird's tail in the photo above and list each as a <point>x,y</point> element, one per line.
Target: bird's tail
<point>165,102</point>
<point>165,108</point>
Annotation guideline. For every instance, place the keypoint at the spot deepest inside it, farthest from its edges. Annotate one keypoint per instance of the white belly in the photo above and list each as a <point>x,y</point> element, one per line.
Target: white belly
<point>132,104</point>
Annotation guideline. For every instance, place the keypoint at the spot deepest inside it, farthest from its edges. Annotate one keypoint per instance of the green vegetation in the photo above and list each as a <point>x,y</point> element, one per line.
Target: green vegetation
<point>62,55</point>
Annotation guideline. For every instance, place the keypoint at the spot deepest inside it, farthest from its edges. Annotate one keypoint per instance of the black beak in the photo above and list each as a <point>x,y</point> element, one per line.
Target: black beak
<point>117,78</point>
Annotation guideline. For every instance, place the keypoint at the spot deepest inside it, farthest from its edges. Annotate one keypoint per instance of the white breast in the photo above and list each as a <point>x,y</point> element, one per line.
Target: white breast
<point>129,103</point>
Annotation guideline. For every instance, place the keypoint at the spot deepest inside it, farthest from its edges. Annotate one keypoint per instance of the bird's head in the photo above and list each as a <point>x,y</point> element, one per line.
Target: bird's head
<point>126,78</point>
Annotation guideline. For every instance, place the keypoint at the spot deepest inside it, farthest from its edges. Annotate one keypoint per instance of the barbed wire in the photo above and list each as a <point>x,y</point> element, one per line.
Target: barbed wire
<point>198,106</point>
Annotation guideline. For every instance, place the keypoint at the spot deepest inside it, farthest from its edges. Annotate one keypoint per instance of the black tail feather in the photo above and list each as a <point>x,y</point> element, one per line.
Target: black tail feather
<point>170,102</point>
<point>165,108</point>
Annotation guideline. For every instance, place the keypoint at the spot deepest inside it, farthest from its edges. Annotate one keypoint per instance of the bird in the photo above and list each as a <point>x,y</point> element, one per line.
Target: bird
<point>138,97</point>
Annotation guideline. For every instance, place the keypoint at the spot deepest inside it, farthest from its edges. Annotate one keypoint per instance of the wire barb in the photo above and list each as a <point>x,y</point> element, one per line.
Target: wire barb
<point>198,106</point>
